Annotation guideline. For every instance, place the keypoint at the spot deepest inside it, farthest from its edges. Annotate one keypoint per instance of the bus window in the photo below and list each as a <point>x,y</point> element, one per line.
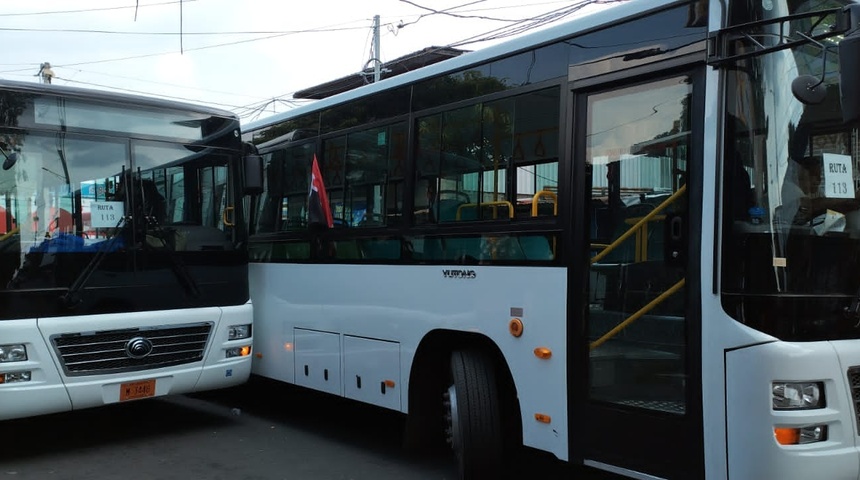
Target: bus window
<point>488,161</point>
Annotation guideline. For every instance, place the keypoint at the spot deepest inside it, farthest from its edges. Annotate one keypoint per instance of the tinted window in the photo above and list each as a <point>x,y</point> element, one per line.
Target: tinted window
<point>646,40</point>
<point>283,204</point>
<point>366,110</point>
<point>491,161</point>
<point>363,173</point>
<point>289,130</point>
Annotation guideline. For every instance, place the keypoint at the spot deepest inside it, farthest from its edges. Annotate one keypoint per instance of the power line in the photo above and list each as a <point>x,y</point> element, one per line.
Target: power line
<point>520,26</point>
<point>87,10</point>
<point>139,92</point>
<point>260,104</point>
<point>532,23</point>
<point>448,12</point>
<point>174,85</point>
<point>257,108</point>
<point>121,32</point>
<point>146,55</point>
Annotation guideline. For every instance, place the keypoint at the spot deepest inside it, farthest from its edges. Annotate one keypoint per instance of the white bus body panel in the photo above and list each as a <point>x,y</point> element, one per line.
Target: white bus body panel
<point>371,371</point>
<point>50,390</point>
<point>402,304</point>
<point>45,392</point>
<point>318,360</point>
<point>753,451</point>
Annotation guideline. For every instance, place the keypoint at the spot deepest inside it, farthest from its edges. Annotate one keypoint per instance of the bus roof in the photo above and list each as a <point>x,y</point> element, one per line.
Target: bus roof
<point>567,29</point>
<point>111,97</point>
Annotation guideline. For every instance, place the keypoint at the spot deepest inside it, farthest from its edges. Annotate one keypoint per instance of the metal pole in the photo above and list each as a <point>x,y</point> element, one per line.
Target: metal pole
<point>377,62</point>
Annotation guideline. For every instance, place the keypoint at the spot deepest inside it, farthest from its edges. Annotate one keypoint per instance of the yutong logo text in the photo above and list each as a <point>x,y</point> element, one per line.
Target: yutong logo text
<point>459,274</point>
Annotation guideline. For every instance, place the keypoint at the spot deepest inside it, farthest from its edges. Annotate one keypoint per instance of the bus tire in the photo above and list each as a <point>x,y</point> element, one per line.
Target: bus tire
<point>473,416</point>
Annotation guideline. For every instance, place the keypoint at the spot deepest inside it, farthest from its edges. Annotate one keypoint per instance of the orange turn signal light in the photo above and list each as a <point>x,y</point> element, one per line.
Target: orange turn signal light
<point>389,383</point>
<point>543,353</point>
<point>543,418</point>
<point>787,436</point>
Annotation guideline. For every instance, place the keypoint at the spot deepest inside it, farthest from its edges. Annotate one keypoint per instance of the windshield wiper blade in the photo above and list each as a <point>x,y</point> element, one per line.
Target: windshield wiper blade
<point>180,270</point>
<point>149,221</point>
<point>72,297</point>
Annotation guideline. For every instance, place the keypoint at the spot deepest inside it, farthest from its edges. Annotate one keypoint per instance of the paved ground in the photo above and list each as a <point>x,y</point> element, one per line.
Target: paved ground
<point>262,431</point>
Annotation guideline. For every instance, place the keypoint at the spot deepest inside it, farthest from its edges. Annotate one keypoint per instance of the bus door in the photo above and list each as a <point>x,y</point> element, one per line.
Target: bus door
<point>634,377</point>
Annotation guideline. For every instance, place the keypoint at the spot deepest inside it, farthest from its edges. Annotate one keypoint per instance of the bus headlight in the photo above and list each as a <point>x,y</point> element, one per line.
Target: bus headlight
<point>236,332</point>
<point>13,377</point>
<point>13,353</point>
<point>238,351</point>
<point>798,395</point>
<point>800,436</point>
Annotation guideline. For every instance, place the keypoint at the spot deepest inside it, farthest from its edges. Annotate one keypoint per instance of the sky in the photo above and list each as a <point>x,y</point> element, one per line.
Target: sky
<point>246,56</point>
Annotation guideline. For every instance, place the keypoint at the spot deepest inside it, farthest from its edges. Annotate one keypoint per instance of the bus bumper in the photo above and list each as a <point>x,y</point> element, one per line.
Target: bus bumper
<point>757,444</point>
<point>39,385</point>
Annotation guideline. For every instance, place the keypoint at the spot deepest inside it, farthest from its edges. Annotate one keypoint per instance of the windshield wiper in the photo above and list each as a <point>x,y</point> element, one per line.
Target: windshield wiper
<point>148,210</point>
<point>140,223</point>
<point>180,270</point>
<point>72,297</point>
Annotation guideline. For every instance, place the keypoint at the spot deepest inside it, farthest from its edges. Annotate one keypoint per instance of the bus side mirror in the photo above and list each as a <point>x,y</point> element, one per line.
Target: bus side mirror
<point>849,66</point>
<point>253,165</point>
<point>10,159</point>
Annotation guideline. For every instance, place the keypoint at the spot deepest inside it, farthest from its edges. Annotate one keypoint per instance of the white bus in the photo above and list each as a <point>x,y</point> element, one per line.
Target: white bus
<point>631,241</point>
<point>123,257</point>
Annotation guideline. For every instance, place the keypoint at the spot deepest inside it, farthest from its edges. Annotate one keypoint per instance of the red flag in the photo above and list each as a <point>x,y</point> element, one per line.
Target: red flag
<point>319,210</point>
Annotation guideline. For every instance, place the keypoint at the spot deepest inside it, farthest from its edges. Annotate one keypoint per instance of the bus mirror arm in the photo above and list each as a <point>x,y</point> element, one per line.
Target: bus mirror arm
<point>849,64</point>
<point>809,89</point>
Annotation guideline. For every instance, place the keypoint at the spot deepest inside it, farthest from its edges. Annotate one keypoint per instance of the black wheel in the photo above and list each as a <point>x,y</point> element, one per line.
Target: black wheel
<point>472,412</point>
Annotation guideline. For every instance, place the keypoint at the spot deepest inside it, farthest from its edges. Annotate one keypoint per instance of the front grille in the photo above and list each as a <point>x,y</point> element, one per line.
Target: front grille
<point>854,385</point>
<point>93,353</point>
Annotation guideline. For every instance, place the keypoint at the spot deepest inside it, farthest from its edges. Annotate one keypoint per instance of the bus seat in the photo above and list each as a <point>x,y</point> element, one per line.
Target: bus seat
<point>348,250</point>
<point>467,212</point>
<point>427,248</point>
<point>536,247</point>
<point>463,249</point>
<point>382,249</point>
<point>448,209</point>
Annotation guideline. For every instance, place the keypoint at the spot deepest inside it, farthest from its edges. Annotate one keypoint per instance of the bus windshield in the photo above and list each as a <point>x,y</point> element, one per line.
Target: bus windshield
<point>101,203</point>
<point>791,214</point>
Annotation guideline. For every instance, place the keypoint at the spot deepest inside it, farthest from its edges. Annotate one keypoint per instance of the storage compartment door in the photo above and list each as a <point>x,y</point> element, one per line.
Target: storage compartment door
<point>318,360</point>
<point>372,371</point>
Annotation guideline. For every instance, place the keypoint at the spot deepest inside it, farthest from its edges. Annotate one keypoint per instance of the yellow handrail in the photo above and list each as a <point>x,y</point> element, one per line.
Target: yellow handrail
<point>642,311</point>
<point>624,236</point>
<point>544,193</point>
<point>227,222</point>
<point>495,205</point>
<point>7,235</point>
<point>642,236</point>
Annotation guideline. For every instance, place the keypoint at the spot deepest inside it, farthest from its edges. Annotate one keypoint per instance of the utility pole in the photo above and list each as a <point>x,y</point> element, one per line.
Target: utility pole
<point>375,55</point>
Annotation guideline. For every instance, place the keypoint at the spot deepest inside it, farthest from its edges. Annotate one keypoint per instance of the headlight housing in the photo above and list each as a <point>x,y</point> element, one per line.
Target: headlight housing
<point>798,395</point>
<point>237,332</point>
<point>13,353</point>
<point>238,351</point>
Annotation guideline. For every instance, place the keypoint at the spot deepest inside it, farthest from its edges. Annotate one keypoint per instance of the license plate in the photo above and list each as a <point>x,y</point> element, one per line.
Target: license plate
<point>137,390</point>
